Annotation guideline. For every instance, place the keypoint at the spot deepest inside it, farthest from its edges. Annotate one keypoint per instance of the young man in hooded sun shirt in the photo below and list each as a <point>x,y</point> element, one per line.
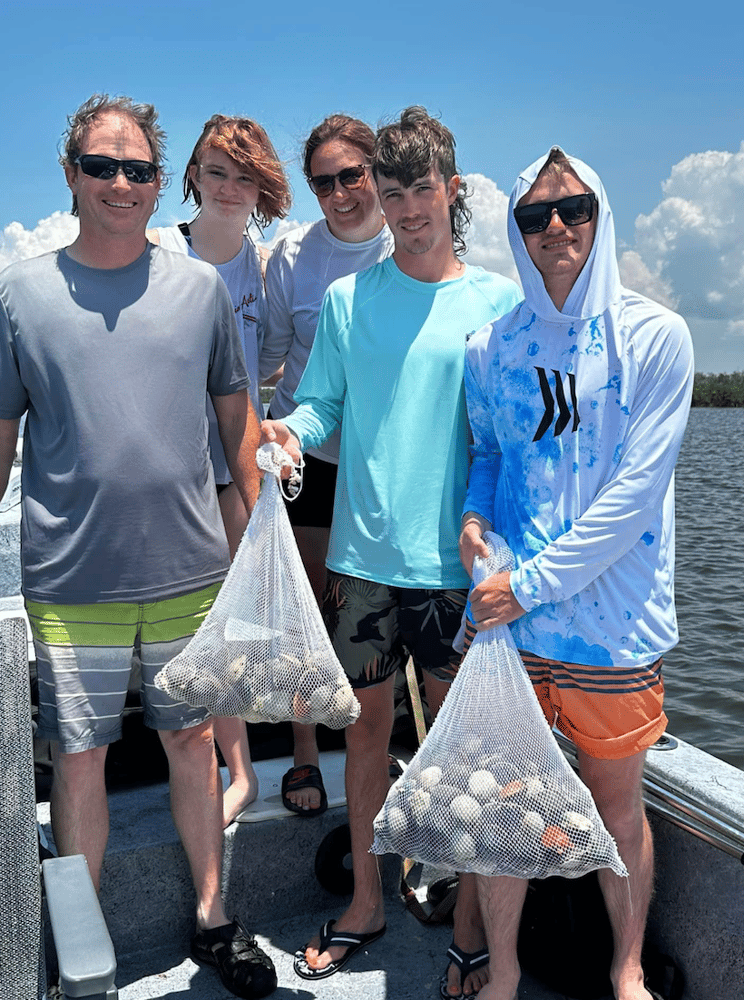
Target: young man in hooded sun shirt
<point>578,401</point>
<point>387,366</point>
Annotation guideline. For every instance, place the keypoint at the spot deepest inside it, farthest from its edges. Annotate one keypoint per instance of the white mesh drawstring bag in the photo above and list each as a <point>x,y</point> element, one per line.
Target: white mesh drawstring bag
<point>489,790</point>
<point>263,652</point>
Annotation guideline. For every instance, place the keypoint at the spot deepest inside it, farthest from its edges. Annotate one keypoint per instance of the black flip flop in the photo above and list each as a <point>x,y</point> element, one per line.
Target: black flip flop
<point>466,962</point>
<point>304,776</point>
<point>334,939</point>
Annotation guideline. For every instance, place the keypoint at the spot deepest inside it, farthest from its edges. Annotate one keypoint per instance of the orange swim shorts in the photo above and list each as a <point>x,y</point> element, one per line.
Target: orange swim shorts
<point>608,712</point>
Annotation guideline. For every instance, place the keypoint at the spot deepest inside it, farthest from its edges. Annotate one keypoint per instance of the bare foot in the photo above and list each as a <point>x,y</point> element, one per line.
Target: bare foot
<point>305,798</point>
<point>237,796</point>
<point>491,992</point>
<point>633,989</point>
<point>301,787</point>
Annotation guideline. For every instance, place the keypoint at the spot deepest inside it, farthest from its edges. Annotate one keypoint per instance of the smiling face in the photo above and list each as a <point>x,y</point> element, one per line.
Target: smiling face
<point>352,216</point>
<point>560,251</point>
<point>419,217</point>
<point>115,209</point>
<point>227,190</point>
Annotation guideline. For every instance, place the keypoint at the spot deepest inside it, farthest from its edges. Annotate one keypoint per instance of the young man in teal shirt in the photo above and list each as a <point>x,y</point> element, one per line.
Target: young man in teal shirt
<point>387,367</point>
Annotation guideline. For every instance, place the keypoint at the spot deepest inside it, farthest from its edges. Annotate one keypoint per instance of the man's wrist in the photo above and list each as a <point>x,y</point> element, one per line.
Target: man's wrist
<point>471,517</point>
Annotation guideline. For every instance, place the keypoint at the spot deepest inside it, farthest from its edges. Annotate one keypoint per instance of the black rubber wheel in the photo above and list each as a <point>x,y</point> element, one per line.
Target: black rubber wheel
<point>333,862</point>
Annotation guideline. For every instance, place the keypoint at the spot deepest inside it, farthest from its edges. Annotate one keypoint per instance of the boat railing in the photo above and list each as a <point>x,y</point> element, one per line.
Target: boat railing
<point>680,786</point>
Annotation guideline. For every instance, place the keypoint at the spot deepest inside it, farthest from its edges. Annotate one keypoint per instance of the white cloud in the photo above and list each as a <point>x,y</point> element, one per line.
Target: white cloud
<point>486,238</point>
<point>636,275</point>
<point>692,244</point>
<point>688,252</point>
<point>17,243</point>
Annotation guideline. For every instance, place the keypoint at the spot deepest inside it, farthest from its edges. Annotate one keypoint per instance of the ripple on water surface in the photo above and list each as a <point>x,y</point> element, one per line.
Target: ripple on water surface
<point>704,675</point>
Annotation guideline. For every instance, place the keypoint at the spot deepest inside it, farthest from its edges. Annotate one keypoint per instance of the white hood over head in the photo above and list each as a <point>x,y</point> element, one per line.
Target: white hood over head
<point>598,284</point>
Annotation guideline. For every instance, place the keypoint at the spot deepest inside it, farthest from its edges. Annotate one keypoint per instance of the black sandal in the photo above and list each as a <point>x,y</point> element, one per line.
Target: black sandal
<point>466,962</point>
<point>304,776</point>
<point>244,968</point>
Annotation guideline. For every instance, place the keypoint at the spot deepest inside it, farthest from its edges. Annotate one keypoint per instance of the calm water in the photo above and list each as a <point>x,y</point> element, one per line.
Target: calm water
<point>704,675</point>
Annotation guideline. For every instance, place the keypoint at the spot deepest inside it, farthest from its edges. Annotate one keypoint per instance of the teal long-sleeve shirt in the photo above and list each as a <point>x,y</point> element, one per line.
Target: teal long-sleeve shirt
<point>387,366</point>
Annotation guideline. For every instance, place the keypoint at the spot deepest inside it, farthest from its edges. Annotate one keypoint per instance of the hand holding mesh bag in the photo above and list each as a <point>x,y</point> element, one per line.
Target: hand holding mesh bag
<point>263,652</point>
<point>489,790</point>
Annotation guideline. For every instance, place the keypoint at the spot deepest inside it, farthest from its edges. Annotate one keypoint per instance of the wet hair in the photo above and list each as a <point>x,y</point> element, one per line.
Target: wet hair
<point>352,130</point>
<point>144,116</point>
<point>408,149</point>
<point>246,142</point>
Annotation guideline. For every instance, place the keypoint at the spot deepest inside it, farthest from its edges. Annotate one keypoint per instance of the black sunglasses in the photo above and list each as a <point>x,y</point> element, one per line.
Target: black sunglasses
<point>106,167</point>
<point>325,184</point>
<point>572,211</point>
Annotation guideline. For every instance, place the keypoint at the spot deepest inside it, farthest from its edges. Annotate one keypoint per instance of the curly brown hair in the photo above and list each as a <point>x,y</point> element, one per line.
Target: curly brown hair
<point>408,149</point>
<point>246,142</point>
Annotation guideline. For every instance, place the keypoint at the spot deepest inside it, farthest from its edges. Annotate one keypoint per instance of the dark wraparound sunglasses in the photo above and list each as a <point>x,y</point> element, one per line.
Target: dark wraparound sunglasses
<point>106,167</point>
<point>573,211</point>
<point>324,184</point>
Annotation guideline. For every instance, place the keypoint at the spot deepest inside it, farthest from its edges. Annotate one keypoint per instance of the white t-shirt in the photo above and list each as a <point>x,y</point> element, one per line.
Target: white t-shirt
<point>244,281</point>
<point>302,266</point>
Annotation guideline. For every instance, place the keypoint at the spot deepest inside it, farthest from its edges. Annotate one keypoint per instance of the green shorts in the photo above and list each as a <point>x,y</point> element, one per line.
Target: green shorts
<point>85,654</point>
<point>374,628</point>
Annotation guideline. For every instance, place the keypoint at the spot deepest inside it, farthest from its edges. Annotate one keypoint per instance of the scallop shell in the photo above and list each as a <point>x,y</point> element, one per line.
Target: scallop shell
<point>483,785</point>
<point>466,809</point>
<point>237,668</point>
<point>420,803</point>
<point>463,848</point>
<point>430,776</point>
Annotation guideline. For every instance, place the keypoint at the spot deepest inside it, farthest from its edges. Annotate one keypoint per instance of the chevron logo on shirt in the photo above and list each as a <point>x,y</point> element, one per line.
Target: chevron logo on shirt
<point>550,401</point>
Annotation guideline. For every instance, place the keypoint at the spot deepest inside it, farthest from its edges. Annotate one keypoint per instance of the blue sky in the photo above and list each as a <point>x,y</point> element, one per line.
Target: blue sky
<point>634,89</point>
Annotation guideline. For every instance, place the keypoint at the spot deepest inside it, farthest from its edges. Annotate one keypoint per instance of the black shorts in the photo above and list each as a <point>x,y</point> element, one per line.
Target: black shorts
<point>374,628</point>
<point>313,508</point>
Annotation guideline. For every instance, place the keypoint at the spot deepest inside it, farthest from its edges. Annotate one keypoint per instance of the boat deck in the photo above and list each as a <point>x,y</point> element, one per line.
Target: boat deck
<point>405,964</point>
<point>269,882</point>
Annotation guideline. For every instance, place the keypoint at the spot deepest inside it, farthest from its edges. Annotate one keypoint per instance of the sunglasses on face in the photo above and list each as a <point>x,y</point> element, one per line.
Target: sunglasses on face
<point>572,211</point>
<point>106,167</point>
<point>324,184</point>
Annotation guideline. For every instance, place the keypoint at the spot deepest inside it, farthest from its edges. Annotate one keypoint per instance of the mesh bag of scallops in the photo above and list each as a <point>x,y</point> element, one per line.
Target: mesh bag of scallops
<point>263,653</point>
<point>489,790</point>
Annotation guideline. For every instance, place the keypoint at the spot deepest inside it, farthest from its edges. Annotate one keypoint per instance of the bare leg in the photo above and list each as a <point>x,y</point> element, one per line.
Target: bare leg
<point>305,752</point>
<point>501,902</point>
<point>468,932</point>
<point>80,817</point>
<point>617,789</point>
<point>367,784</point>
<point>196,804</point>
<point>231,734</point>
<point>232,739</point>
<point>313,545</point>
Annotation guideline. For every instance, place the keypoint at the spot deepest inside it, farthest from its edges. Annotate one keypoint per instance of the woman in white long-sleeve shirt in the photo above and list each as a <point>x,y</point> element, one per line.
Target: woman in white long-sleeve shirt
<point>350,237</point>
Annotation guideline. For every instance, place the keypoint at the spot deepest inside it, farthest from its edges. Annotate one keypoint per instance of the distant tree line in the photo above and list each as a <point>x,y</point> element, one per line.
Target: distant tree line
<point>723,389</point>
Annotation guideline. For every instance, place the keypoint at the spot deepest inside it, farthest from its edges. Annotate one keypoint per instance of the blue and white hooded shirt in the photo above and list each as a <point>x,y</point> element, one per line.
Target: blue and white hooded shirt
<point>577,418</point>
